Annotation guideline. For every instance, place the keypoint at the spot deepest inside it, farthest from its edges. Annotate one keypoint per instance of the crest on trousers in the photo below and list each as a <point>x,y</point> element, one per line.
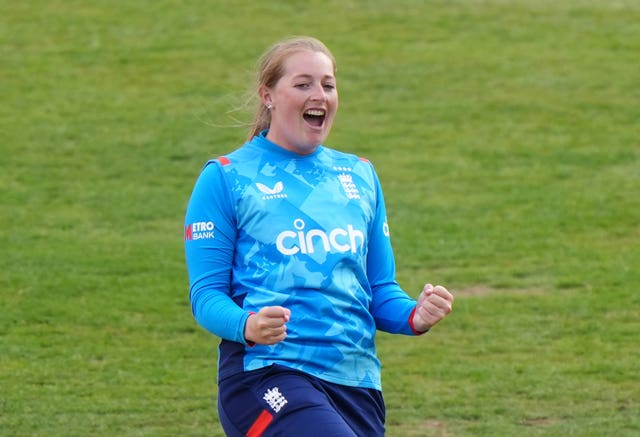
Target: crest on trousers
<point>275,399</point>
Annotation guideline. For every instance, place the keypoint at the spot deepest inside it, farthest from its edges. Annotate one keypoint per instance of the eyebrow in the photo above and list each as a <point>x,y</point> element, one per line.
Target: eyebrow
<point>310,76</point>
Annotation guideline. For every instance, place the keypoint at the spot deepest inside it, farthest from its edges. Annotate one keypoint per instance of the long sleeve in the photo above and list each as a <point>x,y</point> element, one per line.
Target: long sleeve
<point>391,307</point>
<point>210,235</point>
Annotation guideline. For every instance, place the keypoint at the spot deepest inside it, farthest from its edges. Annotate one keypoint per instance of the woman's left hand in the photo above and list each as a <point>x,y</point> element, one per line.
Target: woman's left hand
<point>433,305</point>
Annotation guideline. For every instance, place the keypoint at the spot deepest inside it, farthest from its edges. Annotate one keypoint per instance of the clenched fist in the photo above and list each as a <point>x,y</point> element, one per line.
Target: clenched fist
<point>433,305</point>
<point>267,326</point>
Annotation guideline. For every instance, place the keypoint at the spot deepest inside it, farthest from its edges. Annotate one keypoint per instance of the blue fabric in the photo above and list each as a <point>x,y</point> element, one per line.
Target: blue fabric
<point>265,227</point>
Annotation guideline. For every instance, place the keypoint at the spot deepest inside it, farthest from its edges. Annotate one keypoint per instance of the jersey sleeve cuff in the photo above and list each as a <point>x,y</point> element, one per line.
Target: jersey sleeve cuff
<point>413,328</point>
<point>247,342</point>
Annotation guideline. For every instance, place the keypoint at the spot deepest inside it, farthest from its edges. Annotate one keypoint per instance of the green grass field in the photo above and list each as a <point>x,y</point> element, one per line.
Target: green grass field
<point>507,138</point>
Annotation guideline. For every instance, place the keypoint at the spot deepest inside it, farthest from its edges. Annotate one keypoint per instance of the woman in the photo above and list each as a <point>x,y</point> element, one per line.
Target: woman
<point>291,265</point>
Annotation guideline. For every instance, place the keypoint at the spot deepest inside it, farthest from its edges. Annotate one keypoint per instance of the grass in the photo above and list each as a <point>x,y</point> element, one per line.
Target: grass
<point>505,134</point>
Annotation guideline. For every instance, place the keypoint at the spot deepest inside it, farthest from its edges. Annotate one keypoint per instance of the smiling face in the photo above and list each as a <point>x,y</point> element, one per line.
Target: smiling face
<point>303,102</point>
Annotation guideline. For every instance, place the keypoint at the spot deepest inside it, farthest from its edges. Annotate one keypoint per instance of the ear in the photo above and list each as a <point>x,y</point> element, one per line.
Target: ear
<point>265,95</point>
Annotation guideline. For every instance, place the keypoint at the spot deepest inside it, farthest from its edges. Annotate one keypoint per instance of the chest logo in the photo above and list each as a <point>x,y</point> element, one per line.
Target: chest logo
<point>349,186</point>
<point>308,241</point>
<point>271,193</point>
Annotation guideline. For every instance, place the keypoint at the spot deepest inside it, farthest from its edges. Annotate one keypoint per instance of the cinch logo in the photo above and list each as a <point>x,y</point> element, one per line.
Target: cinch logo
<point>271,193</point>
<point>305,242</point>
<point>199,231</point>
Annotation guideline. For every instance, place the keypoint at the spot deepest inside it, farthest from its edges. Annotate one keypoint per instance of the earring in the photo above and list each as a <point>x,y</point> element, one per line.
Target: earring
<point>269,106</point>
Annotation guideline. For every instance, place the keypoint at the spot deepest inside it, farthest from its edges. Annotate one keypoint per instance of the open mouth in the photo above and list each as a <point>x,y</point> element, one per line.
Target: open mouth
<point>315,117</point>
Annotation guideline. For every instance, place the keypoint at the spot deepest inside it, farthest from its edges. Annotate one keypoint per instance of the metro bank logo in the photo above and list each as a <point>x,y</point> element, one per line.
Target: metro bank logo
<point>199,231</point>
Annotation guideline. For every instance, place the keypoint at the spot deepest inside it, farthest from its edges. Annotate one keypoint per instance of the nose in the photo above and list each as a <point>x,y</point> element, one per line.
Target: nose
<point>318,93</point>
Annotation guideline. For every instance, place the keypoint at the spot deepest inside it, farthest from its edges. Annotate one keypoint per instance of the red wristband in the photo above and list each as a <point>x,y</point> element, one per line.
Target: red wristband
<point>413,328</point>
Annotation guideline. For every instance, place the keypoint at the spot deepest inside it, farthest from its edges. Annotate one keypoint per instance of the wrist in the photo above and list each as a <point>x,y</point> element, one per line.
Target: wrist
<point>416,329</point>
<point>247,330</point>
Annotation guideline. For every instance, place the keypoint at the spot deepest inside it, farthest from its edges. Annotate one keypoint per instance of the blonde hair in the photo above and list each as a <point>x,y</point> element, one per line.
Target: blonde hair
<point>271,69</point>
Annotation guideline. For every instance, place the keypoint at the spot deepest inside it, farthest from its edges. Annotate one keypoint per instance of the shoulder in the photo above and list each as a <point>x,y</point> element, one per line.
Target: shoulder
<point>349,159</point>
<point>240,157</point>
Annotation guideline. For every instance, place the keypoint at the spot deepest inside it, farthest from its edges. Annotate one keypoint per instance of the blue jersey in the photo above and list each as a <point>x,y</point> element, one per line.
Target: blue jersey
<point>265,227</point>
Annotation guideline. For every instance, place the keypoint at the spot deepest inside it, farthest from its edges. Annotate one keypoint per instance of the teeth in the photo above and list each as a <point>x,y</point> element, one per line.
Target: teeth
<point>315,112</point>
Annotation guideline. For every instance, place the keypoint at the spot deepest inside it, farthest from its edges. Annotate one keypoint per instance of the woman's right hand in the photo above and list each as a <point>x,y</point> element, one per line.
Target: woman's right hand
<point>267,326</point>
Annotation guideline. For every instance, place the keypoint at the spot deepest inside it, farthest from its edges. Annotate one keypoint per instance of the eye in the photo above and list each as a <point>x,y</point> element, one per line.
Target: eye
<point>329,86</point>
<point>303,85</point>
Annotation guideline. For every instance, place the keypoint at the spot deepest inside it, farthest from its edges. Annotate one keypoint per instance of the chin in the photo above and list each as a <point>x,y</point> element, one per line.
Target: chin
<point>316,138</point>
